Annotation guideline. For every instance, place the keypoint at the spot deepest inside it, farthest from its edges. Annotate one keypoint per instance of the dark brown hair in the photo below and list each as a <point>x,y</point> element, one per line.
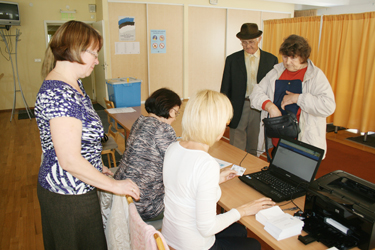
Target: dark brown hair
<point>68,42</point>
<point>161,102</point>
<point>295,45</point>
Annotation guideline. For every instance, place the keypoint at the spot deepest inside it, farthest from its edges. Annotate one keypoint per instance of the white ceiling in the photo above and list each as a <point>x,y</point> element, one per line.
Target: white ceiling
<point>324,3</point>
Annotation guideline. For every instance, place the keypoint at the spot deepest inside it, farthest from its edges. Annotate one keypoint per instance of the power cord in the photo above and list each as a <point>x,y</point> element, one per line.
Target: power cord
<point>296,207</point>
<point>243,159</point>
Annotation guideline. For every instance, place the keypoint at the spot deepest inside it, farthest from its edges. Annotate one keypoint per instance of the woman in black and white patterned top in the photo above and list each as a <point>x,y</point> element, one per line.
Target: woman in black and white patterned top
<point>142,161</point>
<point>70,134</point>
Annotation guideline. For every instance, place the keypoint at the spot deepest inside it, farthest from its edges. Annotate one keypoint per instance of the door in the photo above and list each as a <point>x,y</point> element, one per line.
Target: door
<point>101,69</point>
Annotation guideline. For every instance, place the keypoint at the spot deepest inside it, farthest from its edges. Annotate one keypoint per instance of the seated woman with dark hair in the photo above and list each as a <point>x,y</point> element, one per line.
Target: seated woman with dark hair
<point>142,161</point>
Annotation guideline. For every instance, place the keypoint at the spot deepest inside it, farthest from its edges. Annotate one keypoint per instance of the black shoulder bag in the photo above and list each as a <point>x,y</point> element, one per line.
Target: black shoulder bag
<point>286,125</point>
<point>281,126</point>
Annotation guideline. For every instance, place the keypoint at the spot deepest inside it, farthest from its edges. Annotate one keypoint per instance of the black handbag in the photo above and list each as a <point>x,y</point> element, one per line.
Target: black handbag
<point>281,126</point>
<point>286,125</point>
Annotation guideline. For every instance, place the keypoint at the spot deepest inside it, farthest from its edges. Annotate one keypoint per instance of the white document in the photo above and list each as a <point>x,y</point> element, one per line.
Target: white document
<point>222,163</point>
<point>122,48</point>
<point>267,214</point>
<point>284,226</point>
<point>120,110</point>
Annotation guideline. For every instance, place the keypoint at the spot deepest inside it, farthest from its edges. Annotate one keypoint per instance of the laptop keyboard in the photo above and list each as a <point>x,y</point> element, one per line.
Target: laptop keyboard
<point>279,185</point>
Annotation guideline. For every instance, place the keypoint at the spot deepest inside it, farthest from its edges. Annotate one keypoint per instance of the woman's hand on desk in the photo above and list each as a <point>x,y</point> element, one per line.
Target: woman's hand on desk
<point>226,175</point>
<point>254,207</point>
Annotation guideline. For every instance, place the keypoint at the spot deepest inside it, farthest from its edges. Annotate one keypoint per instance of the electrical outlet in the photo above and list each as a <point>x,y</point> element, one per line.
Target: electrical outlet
<point>214,2</point>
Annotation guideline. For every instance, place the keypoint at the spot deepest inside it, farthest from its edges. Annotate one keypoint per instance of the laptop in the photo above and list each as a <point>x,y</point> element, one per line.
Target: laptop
<point>290,172</point>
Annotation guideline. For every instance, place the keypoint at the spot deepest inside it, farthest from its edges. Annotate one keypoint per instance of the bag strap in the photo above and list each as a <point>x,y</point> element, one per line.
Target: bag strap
<point>266,142</point>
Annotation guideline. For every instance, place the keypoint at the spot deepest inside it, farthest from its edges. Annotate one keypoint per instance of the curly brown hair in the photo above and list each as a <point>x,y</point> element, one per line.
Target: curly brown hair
<point>295,45</point>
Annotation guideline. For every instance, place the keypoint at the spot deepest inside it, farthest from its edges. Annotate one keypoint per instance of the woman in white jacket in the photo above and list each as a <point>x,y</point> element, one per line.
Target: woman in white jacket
<point>316,101</point>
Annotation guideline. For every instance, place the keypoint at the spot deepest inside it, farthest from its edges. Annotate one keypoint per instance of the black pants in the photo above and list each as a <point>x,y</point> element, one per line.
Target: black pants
<point>71,222</point>
<point>234,237</point>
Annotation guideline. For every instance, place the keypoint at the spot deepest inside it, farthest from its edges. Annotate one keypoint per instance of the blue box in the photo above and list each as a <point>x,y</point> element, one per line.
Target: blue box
<point>124,92</point>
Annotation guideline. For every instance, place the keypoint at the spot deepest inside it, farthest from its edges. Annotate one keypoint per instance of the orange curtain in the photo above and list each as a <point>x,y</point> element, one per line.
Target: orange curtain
<point>275,31</point>
<point>347,57</point>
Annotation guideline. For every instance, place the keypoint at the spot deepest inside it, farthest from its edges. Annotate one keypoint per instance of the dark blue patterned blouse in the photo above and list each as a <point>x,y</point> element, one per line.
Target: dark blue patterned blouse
<point>142,162</point>
<point>59,99</point>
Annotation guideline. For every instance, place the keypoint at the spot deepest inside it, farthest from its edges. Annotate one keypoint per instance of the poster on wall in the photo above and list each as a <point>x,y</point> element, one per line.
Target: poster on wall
<point>158,41</point>
<point>126,27</point>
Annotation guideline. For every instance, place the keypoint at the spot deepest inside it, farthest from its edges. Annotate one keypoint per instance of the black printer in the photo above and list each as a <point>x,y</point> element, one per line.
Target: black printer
<point>340,211</point>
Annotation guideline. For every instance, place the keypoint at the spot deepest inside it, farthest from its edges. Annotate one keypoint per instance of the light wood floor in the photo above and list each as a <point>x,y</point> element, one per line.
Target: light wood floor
<point>19,161</point>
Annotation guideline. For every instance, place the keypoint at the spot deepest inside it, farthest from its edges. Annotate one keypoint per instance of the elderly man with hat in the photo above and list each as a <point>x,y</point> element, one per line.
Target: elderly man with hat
<point>243,70</point>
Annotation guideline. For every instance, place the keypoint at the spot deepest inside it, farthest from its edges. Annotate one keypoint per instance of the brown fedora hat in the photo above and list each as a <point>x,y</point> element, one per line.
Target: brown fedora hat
<point>249,31</point>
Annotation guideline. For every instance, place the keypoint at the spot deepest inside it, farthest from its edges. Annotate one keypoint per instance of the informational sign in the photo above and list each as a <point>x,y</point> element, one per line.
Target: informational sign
<point>126,26</point>
<point>126,48</point>
<point>158,41</point>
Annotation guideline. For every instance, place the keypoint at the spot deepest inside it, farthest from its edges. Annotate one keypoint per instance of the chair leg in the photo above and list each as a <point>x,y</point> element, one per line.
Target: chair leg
<point>113,158</point>
<point>109,160</point>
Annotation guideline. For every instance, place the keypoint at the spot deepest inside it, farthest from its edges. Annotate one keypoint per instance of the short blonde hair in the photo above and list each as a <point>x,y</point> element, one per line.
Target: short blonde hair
<point>205,117</point>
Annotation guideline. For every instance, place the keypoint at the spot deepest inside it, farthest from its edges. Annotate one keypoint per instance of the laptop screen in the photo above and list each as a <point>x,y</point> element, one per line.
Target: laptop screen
<point>298,159</point>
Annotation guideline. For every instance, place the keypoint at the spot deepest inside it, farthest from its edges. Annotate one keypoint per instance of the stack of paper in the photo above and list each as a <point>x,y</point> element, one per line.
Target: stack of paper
<point>279,224</point>
<point>284,227</point>
<point>267,214</point>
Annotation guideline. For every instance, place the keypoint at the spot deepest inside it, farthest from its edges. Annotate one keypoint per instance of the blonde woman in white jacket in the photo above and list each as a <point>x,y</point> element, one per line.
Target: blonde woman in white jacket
<point>316,102</point>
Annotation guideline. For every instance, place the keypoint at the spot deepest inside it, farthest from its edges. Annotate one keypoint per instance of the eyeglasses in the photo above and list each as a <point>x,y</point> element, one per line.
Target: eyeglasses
<point>176,112</point>
<point>92,53</point>
<point>251,42</point>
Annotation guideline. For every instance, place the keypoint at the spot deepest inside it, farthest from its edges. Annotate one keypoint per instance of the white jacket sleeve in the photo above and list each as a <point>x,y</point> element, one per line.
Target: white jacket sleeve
<point>317,97</point>
<point>264,90</point>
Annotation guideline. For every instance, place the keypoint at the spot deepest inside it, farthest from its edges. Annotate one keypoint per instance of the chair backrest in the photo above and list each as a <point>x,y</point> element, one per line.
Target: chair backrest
<point>142,235</point>
<point>113,123</point>
<point>109,104</point>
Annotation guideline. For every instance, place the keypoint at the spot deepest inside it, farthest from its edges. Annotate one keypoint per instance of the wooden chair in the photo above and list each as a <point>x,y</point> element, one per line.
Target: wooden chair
<point>110,146</point>
<point>140,230</point>
<point>113,123</point>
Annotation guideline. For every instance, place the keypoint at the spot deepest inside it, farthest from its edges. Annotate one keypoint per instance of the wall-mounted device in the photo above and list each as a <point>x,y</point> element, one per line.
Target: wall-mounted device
<point>9,14</point>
